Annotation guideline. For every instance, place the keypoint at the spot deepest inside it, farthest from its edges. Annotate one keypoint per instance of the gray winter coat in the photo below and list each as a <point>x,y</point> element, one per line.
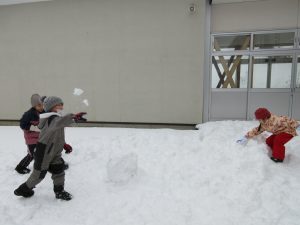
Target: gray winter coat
<point>52,131</point>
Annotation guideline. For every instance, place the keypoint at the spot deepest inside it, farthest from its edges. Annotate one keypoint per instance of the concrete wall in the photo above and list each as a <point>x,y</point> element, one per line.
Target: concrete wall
<point>136,60</point>
<point>258,15</point>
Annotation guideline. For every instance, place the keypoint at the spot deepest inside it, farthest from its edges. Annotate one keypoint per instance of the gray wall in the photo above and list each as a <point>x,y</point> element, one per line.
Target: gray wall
<point>256,15</point>
<point>137,60</point>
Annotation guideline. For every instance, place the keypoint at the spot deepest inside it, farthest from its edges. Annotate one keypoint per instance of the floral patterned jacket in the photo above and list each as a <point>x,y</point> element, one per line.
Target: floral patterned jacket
<point>276,125</point>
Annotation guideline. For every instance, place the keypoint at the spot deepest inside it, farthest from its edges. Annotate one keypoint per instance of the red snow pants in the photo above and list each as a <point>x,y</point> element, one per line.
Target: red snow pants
<point>276,143</point>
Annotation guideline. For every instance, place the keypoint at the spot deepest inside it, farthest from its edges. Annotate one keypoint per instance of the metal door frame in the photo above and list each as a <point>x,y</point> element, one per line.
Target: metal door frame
<point>295,89</point>
<point>293,52</point>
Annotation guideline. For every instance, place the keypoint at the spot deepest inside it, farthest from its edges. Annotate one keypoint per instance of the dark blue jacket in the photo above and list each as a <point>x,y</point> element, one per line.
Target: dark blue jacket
<point>29,118</point>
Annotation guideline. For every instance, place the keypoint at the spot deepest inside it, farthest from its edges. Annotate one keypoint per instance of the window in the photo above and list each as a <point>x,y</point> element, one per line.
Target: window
<point>230,71</point>
<point>231,43</point>
<point>274,41</point>
<point>272,71</point>
<point>231,56</point>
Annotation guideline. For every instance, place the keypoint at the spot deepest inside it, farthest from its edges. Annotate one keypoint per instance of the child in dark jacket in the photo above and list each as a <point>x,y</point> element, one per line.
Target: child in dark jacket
<point>47,156</point>
<point>28,124</point>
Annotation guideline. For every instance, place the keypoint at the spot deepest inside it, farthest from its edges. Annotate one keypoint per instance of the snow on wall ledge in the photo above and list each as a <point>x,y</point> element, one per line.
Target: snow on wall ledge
<point>168,177</point>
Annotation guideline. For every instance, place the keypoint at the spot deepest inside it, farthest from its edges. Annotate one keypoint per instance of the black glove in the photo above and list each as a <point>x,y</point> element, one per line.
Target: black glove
<point>78,117</point>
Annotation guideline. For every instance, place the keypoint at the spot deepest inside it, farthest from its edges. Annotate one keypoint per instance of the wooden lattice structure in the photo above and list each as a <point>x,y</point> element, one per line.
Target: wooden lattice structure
<point>229,67</point>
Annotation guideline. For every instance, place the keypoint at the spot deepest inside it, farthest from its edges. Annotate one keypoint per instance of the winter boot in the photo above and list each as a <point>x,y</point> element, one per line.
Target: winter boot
<point>60,193</point>
<point>22,170</point>
<point>24,191</point>
<point>63,195</point>
<point>276,160</point>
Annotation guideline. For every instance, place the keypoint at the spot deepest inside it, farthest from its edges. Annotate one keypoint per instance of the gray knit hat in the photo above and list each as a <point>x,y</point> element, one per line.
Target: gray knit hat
<point>35,100</point>
<point>51,101</point>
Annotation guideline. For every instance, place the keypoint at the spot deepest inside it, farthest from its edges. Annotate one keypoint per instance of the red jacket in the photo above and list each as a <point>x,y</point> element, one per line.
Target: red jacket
<point>31,137</point>
<point>275,125</point>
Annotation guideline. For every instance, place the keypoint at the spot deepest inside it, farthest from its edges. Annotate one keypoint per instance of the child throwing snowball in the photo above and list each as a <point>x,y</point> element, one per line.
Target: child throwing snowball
<point>283,129</point>
<point>47,156</point>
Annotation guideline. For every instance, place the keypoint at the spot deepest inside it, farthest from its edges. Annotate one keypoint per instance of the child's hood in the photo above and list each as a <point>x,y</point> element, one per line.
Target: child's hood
<point>44,118</point>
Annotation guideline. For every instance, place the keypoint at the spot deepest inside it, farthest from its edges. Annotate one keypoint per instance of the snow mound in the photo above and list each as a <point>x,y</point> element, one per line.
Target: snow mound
<point>121,170</point>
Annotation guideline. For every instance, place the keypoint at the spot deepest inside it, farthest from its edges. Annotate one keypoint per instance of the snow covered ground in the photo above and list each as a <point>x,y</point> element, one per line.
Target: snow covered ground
<point>158,177</point>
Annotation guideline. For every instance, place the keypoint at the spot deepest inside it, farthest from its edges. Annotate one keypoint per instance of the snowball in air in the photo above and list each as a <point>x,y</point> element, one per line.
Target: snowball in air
<point>86,102</point>
<point>77,91</point>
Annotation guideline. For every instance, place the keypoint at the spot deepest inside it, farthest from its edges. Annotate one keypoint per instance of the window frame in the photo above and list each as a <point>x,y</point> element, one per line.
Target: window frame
<point>256,52</point>
<point>271,55</point>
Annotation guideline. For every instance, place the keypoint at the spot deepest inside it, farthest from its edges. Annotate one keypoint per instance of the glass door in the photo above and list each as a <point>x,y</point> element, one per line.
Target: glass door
<point>255,69</point>
<point>271,81</point>
<point>229,77</point>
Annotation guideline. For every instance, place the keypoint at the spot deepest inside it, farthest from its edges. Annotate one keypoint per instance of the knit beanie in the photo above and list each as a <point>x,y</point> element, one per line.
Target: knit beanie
<point>51,101</point>
<point>262,113</point>
<point>35,100</point>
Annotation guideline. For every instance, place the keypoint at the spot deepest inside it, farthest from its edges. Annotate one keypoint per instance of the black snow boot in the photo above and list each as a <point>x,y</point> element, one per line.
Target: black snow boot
<point>60,193</point>
<point>276,160</point>
<point>22,170</point>
<point>24,191</point>
<point>63,195</point>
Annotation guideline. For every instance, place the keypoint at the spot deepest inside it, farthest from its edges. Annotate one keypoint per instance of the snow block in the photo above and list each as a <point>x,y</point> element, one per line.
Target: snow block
<point>121,170</point>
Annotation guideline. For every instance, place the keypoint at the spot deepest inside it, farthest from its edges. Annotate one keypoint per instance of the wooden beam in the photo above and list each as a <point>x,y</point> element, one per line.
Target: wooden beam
<point>229,73</point>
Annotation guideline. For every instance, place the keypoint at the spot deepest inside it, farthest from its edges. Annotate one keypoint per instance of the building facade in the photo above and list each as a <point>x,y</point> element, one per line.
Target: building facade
<point>161,61</point>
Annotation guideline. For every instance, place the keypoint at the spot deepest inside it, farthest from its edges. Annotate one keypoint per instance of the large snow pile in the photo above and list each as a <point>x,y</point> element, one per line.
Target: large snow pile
<point>158,177</point>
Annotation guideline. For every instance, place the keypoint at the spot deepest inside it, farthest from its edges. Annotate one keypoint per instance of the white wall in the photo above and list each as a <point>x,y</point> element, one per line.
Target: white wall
<point>258,15</point>
<point>137,60</point>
